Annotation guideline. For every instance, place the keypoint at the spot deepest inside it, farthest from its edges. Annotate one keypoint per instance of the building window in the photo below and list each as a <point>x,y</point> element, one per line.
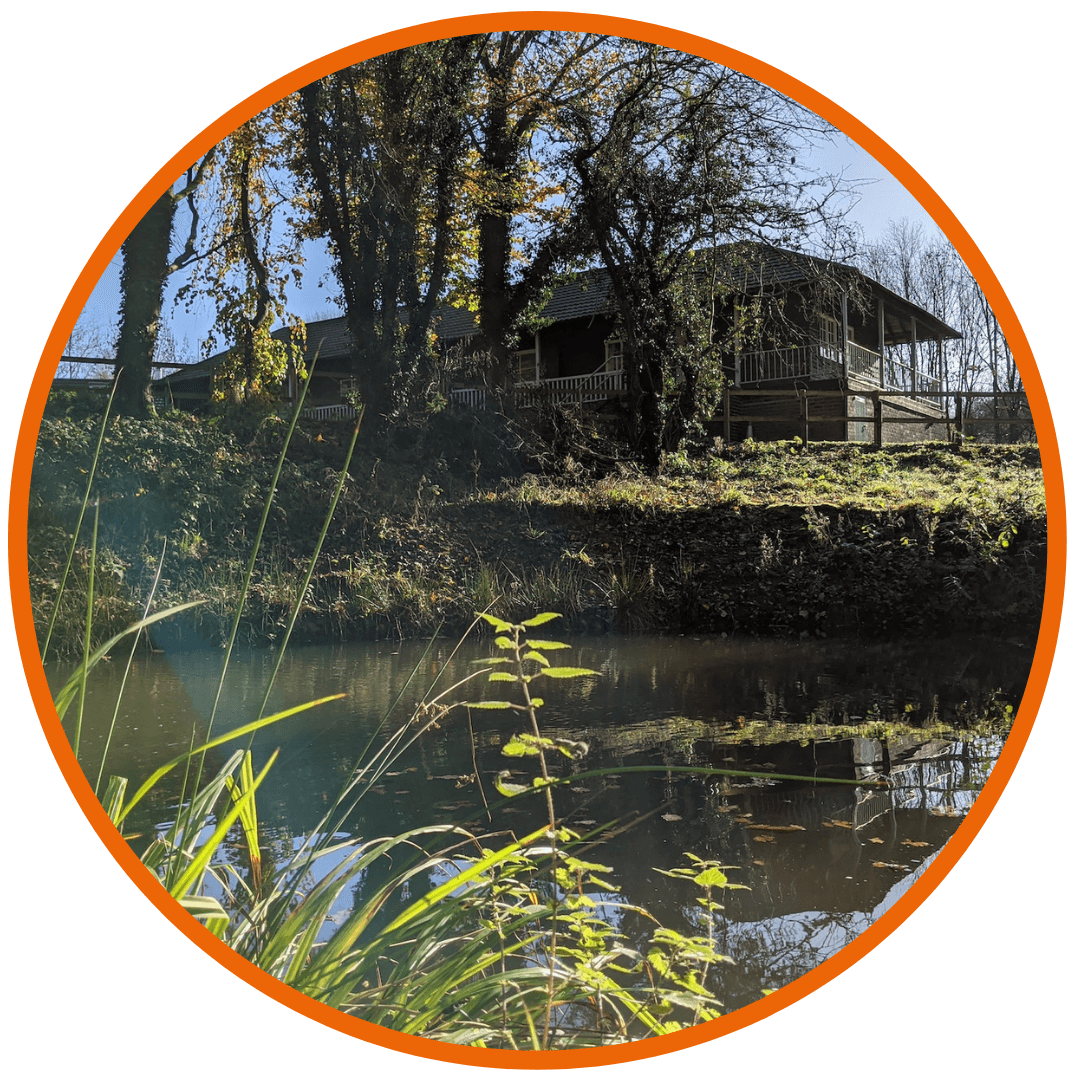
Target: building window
<point>526,369</point>
<point>830,330</point>
<point>613,354</point>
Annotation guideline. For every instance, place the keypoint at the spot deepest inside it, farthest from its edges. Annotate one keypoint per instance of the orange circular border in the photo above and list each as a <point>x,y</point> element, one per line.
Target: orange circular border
<point>902,171</point>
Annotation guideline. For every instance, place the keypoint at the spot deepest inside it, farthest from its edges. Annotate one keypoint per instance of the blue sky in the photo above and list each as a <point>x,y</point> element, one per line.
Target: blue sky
<point>881,199</point>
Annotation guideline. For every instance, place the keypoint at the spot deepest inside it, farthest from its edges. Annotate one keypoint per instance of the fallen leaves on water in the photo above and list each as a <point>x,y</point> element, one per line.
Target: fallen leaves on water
<point>889,866</point>
<point>671,817</point>
<point>765,838</point>
<point>915,843</point>
<point>779,828</point>
<point>876,840</point>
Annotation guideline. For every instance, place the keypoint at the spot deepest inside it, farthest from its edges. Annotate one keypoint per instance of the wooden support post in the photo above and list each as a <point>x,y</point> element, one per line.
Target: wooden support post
<point>881,342</point>
<point>877,419</point>
<point>806,418</point>
<point>727,415</point>
<point>843,339</point>
<point>914,359</point>
<point>960,415</point>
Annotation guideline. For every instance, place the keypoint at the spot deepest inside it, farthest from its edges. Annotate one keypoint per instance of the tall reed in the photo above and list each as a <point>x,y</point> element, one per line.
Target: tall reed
<point>501,949</point>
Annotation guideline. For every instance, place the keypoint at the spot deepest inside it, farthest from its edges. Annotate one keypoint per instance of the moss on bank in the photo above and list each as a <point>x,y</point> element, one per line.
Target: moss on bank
<point>443,519</point>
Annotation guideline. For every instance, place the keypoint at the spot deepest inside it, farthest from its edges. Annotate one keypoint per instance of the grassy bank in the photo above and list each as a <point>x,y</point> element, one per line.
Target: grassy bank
<point>441,520</point>
<point>507,949</point>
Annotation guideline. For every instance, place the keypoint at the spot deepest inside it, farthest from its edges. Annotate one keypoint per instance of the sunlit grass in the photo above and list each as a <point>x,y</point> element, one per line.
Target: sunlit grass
<point>786,473</point>
<point>410,557</point>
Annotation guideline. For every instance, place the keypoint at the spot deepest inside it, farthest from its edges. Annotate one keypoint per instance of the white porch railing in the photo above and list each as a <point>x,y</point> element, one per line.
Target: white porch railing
<point>330,412</point>
<point>801,361</point>
<point>898,376</point>
<point>597,386</point>
<point>822,361</point>
<point>863,363</point>
<point>588,389</point>
<point>472,397</point>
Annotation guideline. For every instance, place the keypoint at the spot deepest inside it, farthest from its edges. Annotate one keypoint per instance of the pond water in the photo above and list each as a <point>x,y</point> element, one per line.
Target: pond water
<point>822,861</point>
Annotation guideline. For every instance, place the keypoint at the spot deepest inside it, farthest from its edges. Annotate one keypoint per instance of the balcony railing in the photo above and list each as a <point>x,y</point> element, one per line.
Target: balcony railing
<point>589,389</point>
<point>330,412</point>
<point>798,362</point>
<point>472,397</point>
<point>822,360</point>
<point>596,387</point>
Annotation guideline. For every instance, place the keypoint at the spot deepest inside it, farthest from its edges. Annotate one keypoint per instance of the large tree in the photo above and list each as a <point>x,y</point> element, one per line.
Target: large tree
<point>686,157</point>
<point>383,146</point>
<point>249,256</point>
<point>147,262</point>
<point>524,223</point>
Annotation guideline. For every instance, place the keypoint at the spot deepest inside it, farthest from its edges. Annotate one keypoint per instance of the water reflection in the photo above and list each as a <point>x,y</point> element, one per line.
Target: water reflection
<point>822,861</point>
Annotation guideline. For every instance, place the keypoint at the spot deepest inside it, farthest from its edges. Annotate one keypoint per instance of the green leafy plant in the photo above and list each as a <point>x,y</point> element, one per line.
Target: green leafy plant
<point>501,948</point>
<point>528,662</point>
<point>685,959</point>
<point>627,988</point>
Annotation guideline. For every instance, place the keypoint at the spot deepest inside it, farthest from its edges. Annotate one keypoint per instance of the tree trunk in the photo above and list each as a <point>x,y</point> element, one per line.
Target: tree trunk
<point>494,241</point>
<point>142,282</point>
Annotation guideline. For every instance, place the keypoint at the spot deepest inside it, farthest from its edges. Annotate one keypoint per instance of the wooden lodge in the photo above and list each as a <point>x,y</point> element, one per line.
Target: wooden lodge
<point>813,349</point>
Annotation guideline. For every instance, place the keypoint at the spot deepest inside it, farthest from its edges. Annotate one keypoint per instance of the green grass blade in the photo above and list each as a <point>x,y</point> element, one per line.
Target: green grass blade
<point>195,870</point>
<point>114,797</point>
<point>478,868</point>
<point>249,820</point>
<point>88,626</point>
<point>209,912</point>
<point>78,523</point>
<point>68,691</point>
<point>302,592</point>
<point>127,671</point>
<point>236,733</point>
<point>250,569</point>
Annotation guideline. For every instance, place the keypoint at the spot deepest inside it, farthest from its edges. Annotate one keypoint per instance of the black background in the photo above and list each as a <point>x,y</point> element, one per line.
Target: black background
<point>93,122</point>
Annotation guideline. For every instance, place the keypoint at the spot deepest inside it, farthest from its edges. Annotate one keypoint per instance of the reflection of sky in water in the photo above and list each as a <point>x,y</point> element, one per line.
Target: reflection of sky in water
<point>781,949</point>
<point>822,861</point>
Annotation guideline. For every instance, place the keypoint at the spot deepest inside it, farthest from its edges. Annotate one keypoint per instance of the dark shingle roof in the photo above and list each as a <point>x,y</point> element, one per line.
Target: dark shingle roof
<point>329,336</point>
<point>745,267</point>
<point>753,267</point>
<point>588,294</point>
<point>452,324</point>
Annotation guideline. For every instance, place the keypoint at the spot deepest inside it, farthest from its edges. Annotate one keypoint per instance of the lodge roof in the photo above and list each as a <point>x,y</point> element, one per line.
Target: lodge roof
<point>754,268</point>
<point>748,268</point>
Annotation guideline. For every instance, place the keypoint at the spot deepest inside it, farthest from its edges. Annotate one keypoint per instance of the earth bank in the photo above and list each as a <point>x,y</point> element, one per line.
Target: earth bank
<point>464,512</point>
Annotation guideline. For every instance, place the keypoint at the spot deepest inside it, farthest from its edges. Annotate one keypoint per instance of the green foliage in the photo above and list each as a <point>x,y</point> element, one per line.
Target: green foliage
<point>675,966</point>
<point>685,959</point>
<point>255,374</point>
<point>480,957</point>
<point>381,154</point>
<point>622,551</point>
<point>529,663</point>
